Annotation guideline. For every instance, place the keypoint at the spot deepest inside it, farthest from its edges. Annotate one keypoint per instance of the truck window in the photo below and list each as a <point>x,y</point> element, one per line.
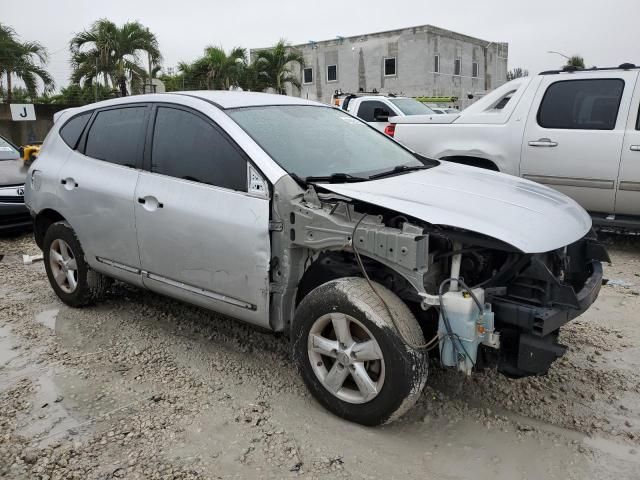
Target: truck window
<point>410,106</point>
<point>366,109</point>
<point>581,104</point>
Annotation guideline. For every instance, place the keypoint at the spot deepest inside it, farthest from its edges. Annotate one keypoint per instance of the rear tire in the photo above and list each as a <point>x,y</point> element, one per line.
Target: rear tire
<point>350,355</point>
<point>68,272</point>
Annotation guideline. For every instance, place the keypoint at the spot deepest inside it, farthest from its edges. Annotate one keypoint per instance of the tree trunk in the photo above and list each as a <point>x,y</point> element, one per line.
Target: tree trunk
<point>9,87</point>
<point>123,87</point>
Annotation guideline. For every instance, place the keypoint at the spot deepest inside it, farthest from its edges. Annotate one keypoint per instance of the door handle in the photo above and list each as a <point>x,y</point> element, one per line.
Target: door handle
<point>543,142</point>
<point>635,148</point>
<point>150,203</point>
<point>69,183</point>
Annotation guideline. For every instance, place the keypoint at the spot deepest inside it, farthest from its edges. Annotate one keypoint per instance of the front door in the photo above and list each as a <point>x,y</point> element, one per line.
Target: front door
<point>202,236</point>
<point>574,136</point>
<point>628,197</point>
<point>97,185</point>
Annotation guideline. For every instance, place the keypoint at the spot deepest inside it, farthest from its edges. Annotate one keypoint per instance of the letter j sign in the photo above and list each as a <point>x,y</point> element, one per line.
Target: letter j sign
<point>22,112</point>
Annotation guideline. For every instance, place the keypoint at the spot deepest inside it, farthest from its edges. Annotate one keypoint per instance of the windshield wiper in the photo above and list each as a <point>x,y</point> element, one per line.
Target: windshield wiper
<point>335,178</point>
<point>398,169</point>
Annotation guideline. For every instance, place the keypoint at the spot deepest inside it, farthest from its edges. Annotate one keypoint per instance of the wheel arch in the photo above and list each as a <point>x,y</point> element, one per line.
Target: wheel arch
<point>43,221</point>
<point>473,162</point>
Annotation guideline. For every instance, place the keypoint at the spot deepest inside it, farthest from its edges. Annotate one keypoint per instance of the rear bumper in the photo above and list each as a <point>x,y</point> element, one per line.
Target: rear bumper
<point>14,217</point>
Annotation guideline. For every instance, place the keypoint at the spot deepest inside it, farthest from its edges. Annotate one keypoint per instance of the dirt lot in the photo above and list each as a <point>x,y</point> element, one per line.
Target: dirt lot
<point>140,386</point>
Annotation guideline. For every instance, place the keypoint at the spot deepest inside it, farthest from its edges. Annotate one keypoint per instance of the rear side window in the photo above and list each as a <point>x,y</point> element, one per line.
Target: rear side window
<point>190,147</point>
<point>581,104</point>
<point>72,130</point>
<point>116,136</point>
<point>365,112</point>
<point>638,120</point>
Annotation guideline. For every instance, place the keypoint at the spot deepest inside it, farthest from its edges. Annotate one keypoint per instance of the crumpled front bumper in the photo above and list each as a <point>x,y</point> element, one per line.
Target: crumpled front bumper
<point>529,332</point>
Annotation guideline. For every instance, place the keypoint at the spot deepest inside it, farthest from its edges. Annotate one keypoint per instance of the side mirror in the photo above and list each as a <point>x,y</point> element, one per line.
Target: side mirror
<point>381,115</point>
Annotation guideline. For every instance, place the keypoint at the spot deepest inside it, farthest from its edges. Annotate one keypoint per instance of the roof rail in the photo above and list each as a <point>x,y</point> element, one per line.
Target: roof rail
<point>572,68</point>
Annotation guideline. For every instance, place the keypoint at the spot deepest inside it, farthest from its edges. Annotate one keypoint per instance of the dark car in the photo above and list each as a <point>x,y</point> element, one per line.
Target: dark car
<point>14,216</point>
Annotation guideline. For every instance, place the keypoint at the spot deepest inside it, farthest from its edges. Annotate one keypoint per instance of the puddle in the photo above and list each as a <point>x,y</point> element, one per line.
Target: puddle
<point>48,419</point>
<point>48,317</point>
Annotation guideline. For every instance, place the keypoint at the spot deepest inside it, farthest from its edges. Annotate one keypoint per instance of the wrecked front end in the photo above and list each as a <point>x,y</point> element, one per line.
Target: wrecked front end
<point>482,301</point>
<point>536,295</point>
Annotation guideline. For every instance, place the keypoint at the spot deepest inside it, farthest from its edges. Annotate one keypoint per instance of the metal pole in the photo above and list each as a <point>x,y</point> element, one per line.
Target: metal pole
<point>150,73</point>
<point>95,86</point>
<point>558,53</point>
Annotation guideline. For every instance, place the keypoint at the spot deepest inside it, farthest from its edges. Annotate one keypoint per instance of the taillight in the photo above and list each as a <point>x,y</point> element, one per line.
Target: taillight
<point>390,129</point>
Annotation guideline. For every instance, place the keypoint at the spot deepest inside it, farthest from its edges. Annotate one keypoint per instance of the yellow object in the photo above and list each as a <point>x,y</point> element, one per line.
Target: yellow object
<point>30,152</point>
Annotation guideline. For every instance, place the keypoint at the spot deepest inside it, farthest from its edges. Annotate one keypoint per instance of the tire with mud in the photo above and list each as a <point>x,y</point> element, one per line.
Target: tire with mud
<point>68,272</point>
<point>350,354</point>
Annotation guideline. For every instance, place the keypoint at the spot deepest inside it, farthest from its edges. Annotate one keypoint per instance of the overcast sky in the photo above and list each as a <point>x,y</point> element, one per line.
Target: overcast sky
<point>605,33</point>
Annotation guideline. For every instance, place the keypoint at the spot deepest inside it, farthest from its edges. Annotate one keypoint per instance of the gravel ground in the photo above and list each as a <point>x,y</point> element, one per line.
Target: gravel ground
<point>140,386</point>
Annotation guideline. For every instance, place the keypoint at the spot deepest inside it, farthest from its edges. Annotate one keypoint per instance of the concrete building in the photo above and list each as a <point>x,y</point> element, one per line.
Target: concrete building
<point>416,61</point>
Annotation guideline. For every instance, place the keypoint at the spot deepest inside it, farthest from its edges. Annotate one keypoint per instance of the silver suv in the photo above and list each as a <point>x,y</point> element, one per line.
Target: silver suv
<point>300,218</point>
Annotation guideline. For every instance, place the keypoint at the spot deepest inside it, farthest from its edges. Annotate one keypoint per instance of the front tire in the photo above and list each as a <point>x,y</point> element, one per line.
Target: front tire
<point>350,355</point>
<point>69,275</point>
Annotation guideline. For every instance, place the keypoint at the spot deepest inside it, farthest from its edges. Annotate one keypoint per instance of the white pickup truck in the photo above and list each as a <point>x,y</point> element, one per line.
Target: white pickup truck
<point>376,108</point>
<point>576,131</point>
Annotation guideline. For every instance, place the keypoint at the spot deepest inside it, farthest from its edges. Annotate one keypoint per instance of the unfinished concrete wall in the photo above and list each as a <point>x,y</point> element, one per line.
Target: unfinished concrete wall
<point>360,61</point>
<point>22,133</point>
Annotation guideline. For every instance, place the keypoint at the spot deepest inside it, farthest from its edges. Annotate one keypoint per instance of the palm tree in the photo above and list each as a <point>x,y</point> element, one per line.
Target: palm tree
<point>274,66</point>
<point>24,60</point>
<point>575,61</point>
<point>517,72</point>
<point>113,53</point>
<point>220,70</point>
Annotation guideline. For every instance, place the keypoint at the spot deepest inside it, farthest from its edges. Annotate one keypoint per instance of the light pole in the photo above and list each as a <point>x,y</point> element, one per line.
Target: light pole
<point>558,53</point>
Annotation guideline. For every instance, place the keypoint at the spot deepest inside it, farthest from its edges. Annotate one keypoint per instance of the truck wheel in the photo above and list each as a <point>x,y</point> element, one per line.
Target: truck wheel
<point>350,354</point>
<point>69,275</point>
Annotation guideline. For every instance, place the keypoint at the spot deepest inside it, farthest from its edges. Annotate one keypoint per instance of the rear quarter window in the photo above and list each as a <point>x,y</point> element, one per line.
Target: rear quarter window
<point>72,130</point>
<point>581,104</point>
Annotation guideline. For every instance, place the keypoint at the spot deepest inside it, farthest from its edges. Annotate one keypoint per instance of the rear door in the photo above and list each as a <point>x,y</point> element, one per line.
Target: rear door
<point>203,233</point>
<point>574,134</point>
<point>628,197</point>
<point>97,184</point>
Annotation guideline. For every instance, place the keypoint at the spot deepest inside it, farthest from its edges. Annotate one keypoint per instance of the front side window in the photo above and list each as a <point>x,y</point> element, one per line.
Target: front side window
<point>410,106</point>
<point>187,146</point>
<point>332,73</point>
<point>390,67</point>
<point>581,104</point>
<point>71,131</point>
<point>367,109</point>
<point>638,120</point>
<point>116,136</point>
<point>307,75</point>
<point>307,140</point>
<point>456,66</point>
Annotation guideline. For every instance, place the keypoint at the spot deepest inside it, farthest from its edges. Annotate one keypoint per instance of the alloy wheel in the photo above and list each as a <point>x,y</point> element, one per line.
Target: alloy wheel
<point>63,265</point>
<point>346,358</point>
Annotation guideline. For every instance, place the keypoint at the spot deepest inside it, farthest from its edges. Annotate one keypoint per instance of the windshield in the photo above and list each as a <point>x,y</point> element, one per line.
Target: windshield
<point>409,106</point>
<point>311,141</point>
<point>7,152</point>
